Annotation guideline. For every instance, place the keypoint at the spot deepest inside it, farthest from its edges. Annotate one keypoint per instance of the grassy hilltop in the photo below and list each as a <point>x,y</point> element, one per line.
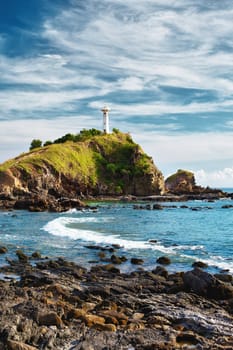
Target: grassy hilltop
<point>84,164</point>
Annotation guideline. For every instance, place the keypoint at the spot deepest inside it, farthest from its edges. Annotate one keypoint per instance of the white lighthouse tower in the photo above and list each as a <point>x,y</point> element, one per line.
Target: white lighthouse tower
<point>105,111</point>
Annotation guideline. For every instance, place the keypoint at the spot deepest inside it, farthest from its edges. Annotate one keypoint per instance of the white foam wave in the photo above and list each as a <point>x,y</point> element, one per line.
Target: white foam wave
<point>214,261</point>
<point>59,227</point>
<point>189,247</point>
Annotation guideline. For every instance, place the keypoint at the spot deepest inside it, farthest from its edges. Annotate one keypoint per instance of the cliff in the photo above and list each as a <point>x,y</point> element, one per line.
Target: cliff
<point>110,164</point>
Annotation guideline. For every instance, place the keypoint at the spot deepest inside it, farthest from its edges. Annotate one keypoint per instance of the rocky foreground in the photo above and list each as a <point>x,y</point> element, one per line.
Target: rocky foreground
<point>56,304</point>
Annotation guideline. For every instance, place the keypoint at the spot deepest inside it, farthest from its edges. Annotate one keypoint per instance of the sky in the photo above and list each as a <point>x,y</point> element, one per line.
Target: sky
<point>164,67</point>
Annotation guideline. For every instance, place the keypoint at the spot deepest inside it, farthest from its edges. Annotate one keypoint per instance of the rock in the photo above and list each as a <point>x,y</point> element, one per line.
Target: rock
<point>101,255</point>
<point>36,255</point>
<point>161,271</point>
<point>224,277</point>
<point>49,319</point>
<point>21,256</point>
<point>153,241</point>
<point>187,339</point>
<point>110,268</point>
<point>3,250</point>
<point>91,320</point>
<point>116,259</point>
<point>157,207</point>
<point>202,283</point>
<point>105,327</point>
<point>200,264</point>
<point>163,260</point>
<point>16,345</point>
<point>136,261</point>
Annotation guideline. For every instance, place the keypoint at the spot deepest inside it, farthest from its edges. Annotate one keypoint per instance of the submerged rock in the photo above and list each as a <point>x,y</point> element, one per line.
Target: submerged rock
<point>163,260</point>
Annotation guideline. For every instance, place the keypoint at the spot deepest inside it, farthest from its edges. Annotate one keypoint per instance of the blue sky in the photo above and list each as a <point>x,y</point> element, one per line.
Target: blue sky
<point>165,68</point>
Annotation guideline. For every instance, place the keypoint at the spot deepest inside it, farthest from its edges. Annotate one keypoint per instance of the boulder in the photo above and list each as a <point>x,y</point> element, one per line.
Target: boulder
<point>137,261</point>
<point>21,256</point>
<point>203,283</point>
<point>49,319</point>
<point>200,264</point>
<point>163,260</point>
<point>3,250</point>
<point>160,271</point>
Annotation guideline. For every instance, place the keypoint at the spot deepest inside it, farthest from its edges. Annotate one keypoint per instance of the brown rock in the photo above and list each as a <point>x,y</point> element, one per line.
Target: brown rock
<point>76,313</point>
<point>49,319</point>
<point>202,283</point>
<point>36,255</point>
<point>21,256</point>
<point>160,271</point>
<point>200,264</point>
<point>137,261</point>
<point>112,313</point>
<point>105,327</point>
<point>163,260</point>
<point>16,345</point>
<point>90,320</point>
<point>3,250</point>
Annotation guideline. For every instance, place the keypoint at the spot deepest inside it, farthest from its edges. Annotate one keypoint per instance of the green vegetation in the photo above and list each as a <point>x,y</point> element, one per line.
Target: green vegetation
<point>91,158</point>
<point>35,144</point>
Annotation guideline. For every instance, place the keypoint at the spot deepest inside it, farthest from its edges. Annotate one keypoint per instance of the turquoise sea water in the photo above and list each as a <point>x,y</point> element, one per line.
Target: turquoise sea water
<point>183,234</point>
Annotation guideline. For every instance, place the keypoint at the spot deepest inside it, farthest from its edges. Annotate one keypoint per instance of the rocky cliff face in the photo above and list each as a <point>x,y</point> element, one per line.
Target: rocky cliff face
<point>102,165</point>
<point>181,182</point>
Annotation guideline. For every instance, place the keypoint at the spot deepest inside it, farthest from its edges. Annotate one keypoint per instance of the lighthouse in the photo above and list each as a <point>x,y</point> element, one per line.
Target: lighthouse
<point>105,111</point>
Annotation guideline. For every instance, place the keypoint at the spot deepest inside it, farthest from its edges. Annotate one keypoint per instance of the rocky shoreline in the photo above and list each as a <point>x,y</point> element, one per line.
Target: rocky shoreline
<point>39,202</point>
<point>56,304</point>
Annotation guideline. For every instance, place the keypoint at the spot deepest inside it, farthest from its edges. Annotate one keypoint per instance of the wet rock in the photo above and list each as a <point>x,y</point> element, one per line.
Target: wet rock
<point>203,283</point>
<point>116,246</point>
<point>161,271</point>
<point>157,207</point>
<point>153,241</point>
<point>3,250</point>
<point>118,259</point>
<point>163,260</point>
<point>101,255</point>
<point>111,268</point>
<point>36,255</point>
<point>136,261</point>
<point>224,277</point>
<point>200,264</point>
<point>21,256</point>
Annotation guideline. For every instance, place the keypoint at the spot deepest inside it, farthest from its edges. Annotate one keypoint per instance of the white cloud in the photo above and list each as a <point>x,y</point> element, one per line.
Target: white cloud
<point>217,178</point>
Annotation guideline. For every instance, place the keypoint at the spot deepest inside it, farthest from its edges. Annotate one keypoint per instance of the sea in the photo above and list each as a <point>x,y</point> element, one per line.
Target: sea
<point>183,231</point>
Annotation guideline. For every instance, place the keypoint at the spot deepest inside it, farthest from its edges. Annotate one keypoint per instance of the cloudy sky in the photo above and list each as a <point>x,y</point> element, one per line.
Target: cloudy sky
<point>165,68</point>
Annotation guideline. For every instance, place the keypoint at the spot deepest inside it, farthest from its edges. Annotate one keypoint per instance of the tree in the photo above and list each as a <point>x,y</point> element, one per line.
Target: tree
<point>35,144</point>
<point>47,143</point>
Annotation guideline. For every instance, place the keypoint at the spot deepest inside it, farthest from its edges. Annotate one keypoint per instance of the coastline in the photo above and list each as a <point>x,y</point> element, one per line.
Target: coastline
<point>57,304</point>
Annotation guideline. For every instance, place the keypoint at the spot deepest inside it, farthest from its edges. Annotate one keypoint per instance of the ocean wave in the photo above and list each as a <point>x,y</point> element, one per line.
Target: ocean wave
<point>213,261</point>
<point>60,227</point>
